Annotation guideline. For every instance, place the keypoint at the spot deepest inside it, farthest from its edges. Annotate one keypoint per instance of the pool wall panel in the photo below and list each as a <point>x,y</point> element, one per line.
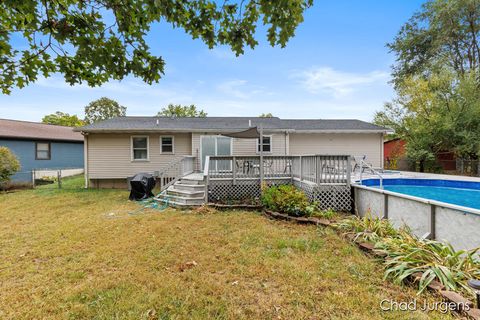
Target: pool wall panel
<point>415,215</point>
<point>461,228</point>
<point>369,202</point>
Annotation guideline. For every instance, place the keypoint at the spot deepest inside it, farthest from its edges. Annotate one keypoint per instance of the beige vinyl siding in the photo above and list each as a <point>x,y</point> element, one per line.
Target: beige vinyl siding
<point>110,154</point>
<point>358,144</point>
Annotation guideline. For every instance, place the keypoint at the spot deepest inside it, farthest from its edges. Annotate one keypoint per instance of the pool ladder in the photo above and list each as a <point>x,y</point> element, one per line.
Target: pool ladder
<point>363,164</point>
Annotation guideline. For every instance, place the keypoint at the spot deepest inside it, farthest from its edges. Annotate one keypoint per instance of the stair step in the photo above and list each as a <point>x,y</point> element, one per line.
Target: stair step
<point>190,182</point>
<point>189,187</point>
<point>173,191</point>
<point>184,201</point>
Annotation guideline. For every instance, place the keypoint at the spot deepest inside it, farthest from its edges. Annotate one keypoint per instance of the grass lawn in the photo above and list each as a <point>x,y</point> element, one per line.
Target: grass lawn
<point>77,254</point>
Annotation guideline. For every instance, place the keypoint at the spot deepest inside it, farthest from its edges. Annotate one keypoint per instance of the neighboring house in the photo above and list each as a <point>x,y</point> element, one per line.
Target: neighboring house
<point>118,148</point>
<point>394,149</point>
<point>394,153</point>
<point>41,146</point>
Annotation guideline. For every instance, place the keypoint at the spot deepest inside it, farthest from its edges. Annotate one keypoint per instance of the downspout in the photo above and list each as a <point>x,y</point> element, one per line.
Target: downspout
<point>287,143</point>
<point>85,157</point>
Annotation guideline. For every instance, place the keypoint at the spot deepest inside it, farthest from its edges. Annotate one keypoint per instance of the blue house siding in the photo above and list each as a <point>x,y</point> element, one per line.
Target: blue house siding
<point>63,155</point>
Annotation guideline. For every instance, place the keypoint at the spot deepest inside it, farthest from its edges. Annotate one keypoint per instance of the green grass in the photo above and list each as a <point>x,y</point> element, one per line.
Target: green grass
<point>78,254</point>
<point>73,182</point>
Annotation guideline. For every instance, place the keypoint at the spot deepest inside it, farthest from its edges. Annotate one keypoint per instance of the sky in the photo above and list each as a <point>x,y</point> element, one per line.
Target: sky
<point>336,66</point>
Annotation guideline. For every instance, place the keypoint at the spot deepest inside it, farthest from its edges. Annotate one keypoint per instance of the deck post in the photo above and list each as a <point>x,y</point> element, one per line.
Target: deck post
<point>261,155</point>
<point>349,169</point>
<point>234,170</point>
<point>301,169</point>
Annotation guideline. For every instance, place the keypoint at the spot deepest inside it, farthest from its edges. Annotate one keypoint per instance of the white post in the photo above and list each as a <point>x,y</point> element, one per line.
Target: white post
<point>261,154</point>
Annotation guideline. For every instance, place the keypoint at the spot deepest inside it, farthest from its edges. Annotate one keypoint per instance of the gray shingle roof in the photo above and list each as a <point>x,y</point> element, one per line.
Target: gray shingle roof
<point>16,129</point>
<point>226,124</point>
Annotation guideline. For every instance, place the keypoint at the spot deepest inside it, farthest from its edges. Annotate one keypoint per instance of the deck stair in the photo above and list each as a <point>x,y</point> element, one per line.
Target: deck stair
<point>186,192</point>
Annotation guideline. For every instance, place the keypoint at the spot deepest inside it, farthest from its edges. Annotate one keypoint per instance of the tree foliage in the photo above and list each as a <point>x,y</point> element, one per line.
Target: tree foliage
<point>436,78</point>
<point>97,40</point>
<point>103,109</point>
<point>266,115</point>
<point>441,113</point>
<point>62,119</point>
<point>9,164</point>
<point>177,110</point>
<point>443,34</point>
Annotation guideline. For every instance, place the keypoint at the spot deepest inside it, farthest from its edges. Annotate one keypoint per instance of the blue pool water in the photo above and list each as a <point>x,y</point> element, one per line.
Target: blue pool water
<point>462,193</point>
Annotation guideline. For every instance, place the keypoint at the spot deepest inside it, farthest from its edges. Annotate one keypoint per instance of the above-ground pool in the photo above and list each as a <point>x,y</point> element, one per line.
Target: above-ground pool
<point>462,193</point>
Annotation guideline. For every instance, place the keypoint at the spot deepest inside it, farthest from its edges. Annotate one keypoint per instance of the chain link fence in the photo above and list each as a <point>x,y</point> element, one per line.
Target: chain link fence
<point>47,178</point>
<point>463,167</point>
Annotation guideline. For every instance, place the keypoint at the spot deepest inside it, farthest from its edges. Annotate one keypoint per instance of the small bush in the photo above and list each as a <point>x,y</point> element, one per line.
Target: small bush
<point>287,199</point>
<point>9,164</point>
<point>326,214</point>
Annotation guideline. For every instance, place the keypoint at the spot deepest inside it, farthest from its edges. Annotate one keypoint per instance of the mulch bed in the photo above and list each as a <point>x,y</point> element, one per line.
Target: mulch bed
<point>222,206</point>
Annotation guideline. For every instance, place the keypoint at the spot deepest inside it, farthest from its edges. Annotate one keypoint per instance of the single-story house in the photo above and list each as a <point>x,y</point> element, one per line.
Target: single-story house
<point>41,146</point>
<point>121,147</point>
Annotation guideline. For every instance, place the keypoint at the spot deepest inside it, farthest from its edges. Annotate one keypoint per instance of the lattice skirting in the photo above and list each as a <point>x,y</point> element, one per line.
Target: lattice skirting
<point>334,197</point>
<point>329,197</point>
<point>243,189</point>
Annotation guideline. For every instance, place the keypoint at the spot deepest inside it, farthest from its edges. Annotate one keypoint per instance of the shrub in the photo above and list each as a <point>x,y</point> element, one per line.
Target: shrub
<point>9,164</point>
<point>367,228</point>
<point>287,199</point>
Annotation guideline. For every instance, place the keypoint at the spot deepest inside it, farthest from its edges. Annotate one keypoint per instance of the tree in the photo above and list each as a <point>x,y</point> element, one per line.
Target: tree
<point>9,164</point>
<point>443,34</point>
<point>266,115</point>
<point>177,110</point>
<point>97,40</point>
<point>436,114</point>
<point>102,109</point>
<point>62,119</point>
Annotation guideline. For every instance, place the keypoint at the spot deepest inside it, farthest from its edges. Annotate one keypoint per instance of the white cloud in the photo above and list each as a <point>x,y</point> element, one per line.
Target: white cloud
<point>234,89</point>
<point>338,83</point>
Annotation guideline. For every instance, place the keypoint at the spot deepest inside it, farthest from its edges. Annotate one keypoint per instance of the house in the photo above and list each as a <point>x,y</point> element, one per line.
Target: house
<point>121,147</point>
<point>41,146</point>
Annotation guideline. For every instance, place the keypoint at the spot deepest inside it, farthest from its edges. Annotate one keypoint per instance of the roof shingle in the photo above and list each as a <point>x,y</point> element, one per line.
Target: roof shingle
<point>227,124</point>
<point>15,129</point>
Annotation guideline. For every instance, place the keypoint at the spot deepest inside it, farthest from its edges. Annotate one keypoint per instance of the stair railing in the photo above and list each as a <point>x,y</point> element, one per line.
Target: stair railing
<point>175,170</point>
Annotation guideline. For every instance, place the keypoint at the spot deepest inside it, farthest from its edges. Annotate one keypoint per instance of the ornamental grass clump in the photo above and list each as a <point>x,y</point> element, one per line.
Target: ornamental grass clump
<point>407,255</point>
<point>367,228</point>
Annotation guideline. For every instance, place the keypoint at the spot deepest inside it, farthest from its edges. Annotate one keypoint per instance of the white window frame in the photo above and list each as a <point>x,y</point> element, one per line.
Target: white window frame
<point>131,149</point>
<point>257,147</point>
<point>216,145</point>
<point>173,145</point>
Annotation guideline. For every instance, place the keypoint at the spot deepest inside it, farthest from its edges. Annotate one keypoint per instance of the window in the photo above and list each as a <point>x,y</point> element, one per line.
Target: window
<point>267,144</point>
<point>139,148</point>
<point>166,145</point>
<point>42,151</point>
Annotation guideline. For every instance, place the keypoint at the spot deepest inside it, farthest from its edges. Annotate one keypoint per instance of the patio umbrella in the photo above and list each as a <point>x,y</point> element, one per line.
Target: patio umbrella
<point>251,133</point>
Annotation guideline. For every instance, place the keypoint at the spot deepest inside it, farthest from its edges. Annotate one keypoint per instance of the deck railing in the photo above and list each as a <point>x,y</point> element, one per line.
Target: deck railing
<point>175,170</point>
<point>316,169</point>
